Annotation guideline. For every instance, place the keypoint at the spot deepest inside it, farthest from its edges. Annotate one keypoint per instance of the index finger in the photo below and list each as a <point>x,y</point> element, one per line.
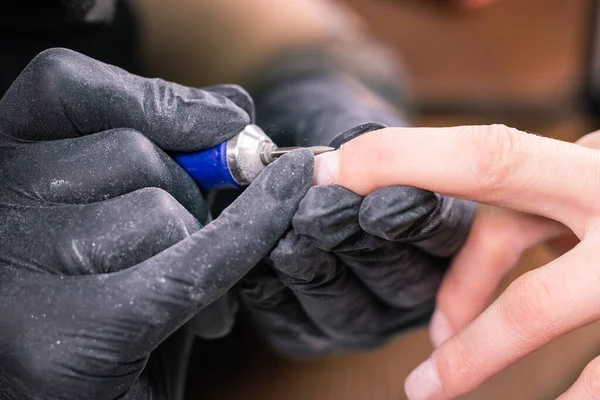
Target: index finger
<point>492,164</point>
<point>167,290</point>
<point>63,94</point>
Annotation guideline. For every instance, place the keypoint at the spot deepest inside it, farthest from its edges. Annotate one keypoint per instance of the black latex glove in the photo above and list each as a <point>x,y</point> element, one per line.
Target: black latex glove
<point>102,255</point>
<point>353,271</point>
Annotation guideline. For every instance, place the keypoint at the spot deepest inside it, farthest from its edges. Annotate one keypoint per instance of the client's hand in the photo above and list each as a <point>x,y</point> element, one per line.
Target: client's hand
<point>500,166</point>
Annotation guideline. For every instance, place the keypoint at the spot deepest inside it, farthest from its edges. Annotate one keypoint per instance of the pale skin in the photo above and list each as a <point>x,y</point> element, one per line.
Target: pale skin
<point>530,177</point>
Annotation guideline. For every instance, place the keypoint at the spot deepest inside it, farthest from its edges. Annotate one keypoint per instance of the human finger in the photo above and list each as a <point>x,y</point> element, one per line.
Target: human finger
<point>496,241</point>
<point>536,308</point>
<point>483,262</point>
<point>587,386</point>
<point>115,234</point>
<point>98,167</point>
<point>63,94</point>
<point>490,164</point>
<point>165,291</point>
<point>399,274</point>
<point>274,309</point>
<point>568,240</point>
<point>433,223</point>
<point>591,140</point>
<point>338,303</point>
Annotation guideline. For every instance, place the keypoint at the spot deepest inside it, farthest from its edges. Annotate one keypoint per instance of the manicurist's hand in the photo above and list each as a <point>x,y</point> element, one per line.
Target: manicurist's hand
<point>499,166</point>
<point>103,252</point>
<point>353,271</point>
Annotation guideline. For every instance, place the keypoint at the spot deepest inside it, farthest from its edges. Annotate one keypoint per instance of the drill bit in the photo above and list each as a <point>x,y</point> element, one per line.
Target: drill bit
<point>270,152</point>
<point>236,162</point>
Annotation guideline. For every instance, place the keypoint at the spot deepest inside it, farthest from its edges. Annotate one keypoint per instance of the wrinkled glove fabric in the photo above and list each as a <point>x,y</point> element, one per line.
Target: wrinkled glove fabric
<point>352,272</point>
<point>104,256</point>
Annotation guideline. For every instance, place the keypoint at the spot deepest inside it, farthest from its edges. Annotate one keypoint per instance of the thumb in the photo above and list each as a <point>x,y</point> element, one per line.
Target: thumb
<point>162,293</point>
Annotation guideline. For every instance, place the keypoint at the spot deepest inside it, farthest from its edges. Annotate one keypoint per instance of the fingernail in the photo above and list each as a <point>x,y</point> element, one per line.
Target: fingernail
<point>439,329</point>
<point>326,168</point>
<point>424,382</point>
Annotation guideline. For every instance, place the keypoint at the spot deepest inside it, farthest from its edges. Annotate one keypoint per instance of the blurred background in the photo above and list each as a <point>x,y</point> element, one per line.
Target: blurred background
<point>525,63</point>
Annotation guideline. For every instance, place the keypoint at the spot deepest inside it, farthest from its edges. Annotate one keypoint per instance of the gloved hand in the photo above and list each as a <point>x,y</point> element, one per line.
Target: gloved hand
<point>354,271</point>
<point>102,255</point>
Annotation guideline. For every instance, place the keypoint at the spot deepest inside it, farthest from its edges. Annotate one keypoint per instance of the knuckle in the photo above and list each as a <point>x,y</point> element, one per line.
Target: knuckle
<point>496,154</point>
<point>52,68</point>
<point>590,378</point>
<point>54,59</point>
<point>528,307</point>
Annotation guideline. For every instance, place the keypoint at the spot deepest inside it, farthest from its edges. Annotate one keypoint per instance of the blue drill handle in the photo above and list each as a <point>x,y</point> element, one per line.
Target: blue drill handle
<point>209,167</point>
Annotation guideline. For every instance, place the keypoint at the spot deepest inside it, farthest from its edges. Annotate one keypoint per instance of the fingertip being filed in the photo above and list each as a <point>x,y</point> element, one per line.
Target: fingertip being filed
<point>362,163</point>
<point>326,168</point>
<point>278,190</point>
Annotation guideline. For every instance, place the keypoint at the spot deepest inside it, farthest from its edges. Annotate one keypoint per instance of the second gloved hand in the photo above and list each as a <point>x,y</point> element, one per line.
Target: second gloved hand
<point>353,272</point>
<point>103,252</point>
